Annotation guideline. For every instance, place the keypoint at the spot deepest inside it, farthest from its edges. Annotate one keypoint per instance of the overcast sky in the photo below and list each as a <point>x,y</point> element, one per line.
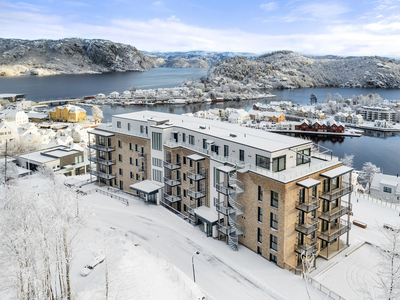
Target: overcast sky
<point>353,27</point>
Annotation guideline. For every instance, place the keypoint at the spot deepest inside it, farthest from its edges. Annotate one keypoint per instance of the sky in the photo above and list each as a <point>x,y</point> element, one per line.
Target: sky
<point>352,27</point>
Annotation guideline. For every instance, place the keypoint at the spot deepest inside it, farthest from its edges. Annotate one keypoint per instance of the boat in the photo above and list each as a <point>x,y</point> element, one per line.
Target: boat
<point>177,101</point>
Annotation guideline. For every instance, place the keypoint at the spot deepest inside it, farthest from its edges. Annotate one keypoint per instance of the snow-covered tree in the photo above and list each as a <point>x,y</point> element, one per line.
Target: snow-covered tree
<point>347,160</point>
<point>313,99</point>
<point>12,172</point>
<point>97,114</point>
<point>367,174</point>
<point>46,172</point>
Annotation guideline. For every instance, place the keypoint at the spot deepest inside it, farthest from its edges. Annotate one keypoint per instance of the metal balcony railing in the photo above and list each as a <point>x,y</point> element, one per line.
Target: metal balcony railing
<point>337,193</point>
<point>311,205</point>
<point>172,198</point>
<point>335,231</point>
<point>224,229</point>
<point>192,192</point>
<point>141,154</point>
<point>102,161</point>
<point>308,227</point>
<point>171,166</point>
<point>306,249</point>
<point>196,175</point>
<point>102,148</point>
<point>221,188</point>
<point>142,170</point>
<point>102,174</point>
<point>337,212</point>
<point>172,182</point>
<point>224,210</point>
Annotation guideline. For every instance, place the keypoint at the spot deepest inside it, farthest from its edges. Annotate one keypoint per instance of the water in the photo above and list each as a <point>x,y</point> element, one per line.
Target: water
<point>382,149</point>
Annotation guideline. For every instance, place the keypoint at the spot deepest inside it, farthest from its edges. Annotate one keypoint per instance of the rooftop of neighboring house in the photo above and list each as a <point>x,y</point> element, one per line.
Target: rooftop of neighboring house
<point>47,155</point>
<point>386,180</point>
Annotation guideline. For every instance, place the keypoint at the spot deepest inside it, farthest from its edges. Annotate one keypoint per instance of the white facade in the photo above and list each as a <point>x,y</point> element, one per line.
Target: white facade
<point>17,116</point>
<point>372,113</point>
<point>386,187</point>
<point>8,132</point>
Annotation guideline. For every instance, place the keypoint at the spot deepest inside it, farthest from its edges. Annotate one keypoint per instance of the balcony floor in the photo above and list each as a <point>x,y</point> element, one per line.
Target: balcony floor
<point>332,249</point>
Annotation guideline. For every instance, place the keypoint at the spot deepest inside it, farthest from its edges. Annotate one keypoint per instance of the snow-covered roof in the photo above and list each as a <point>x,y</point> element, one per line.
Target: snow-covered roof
<point>206,213</point>
<point>308,183</point>
<point>102,133</point>
<point>384,179</point>
<point>146,186</point>
<point>337,172</point>
<point>195,157</point>
<point>226,169</point>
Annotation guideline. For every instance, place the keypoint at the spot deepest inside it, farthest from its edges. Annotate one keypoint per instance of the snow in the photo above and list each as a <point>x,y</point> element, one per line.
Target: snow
<point>226,169</point>
<point>146,186</point>
<point>209,214</point>
<point>337,172</point>
<point>102,133</point>
<point>195,157</point>
<point>309,182</point>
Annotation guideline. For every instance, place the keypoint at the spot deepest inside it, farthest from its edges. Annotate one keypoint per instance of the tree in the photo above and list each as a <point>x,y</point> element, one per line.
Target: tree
<point>313,99</point>
<point>97,114</point>
<point>367,174</point>
<point>347,160</point>
<point>12,172</point>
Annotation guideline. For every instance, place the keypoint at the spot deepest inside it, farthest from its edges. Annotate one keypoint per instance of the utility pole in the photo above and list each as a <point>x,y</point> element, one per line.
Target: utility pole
<point>5,166</point>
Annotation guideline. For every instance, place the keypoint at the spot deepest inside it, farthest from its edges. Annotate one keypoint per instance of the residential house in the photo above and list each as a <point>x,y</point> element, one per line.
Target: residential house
<point>386,187</point>
<point>68,113</point>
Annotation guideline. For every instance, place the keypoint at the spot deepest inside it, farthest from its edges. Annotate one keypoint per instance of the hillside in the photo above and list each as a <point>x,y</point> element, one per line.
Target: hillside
<point>286,70</point>
<point>69,56</point>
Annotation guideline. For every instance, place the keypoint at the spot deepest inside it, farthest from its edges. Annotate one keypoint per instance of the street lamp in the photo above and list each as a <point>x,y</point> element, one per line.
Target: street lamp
<point>196,253</point>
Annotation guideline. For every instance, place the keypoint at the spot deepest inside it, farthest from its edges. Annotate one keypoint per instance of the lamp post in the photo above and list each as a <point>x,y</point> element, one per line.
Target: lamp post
<point>196,253</point>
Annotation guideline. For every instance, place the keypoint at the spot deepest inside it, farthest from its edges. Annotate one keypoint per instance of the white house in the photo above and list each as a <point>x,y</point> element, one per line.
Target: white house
<point>17,116</point>
<point>240,116</point>
<point>114,95</point>
<point>127,94</point>
<point>25,104</point>
<point>386,187</point>
<point>8,132</point>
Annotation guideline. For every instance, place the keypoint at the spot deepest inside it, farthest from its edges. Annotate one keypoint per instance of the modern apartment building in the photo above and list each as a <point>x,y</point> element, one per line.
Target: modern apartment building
<point>372,113</point>
<point>277,195</point>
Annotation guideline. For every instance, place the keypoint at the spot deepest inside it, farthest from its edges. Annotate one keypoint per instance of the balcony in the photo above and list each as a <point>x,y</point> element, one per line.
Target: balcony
<point>306,249</point>
<point>192,192</point>
<point>224,210</point>
<point>311,205</point>
<point>310,226</point>
<point>102,174</point>
<point>102,147</point>
<point>171,166</point>
<point>142,170</point>
<point>141,154</point>
<point>337,193</point>
<point>172,182</point>
<point>335,231</point>
<point>336,212</point>
<point>223,189</point>
<point>225,229</point>
<point>172,198</point>
<point>199,175</point>
<point>102,161</point>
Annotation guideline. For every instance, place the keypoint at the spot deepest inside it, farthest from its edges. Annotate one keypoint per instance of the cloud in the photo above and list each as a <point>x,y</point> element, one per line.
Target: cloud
<point>24,6</point>
<point>319,10</point>
<point>76,3</point>
<point>173,19</point>
<point>270,6</point>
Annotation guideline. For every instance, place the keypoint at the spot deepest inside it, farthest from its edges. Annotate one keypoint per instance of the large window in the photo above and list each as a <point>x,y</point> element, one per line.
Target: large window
<point>226,150</point>
<point>259,235</point>
<point>157,175</point>
<point>241,155</point>
<point>274,199</point>
<point>273,258</point>
<point>260,193</point>
<point>102,141</point>
<point>184,137</point>
<point>156,141</point>
<point>303,156</point>
<point>279,163</point>
<point>119,144</point>
<point>119,157</point>
<point>262,161</point>
<point>259,215</point>
<point>301,195</point>
<point>273,243</point>
<point>157,162</point>
<point>216,176</point>
<point>141,129</point>
<point>191,139</point>
<point>274,221</point>
<point>387,189</point>
<point>204,144</point>
<point>335,183</point>
<point>118,124</point>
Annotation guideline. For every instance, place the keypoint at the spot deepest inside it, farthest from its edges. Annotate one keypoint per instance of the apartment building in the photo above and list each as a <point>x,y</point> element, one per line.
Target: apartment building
<point>276,195</point>
<point>372,113</point>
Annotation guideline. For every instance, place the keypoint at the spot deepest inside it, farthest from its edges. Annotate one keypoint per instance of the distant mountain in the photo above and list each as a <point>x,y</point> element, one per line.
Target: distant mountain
<point>193,58</point>
<point>286,70</point>
<point>69,56</point>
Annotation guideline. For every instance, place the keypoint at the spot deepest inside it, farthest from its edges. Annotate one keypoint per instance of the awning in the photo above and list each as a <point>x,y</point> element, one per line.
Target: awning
<point>206,214</point>
<point>226,169</point>
<point>337,172</point>
<point>309,183</point>
<point>102,133</point>
<point>195,157</point>
<point>146,187</point>
<point>210,142</point>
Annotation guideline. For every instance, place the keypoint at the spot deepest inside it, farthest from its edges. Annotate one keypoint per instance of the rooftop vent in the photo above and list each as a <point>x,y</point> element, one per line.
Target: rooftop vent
<point>233,135</point>
<point>202,127</point>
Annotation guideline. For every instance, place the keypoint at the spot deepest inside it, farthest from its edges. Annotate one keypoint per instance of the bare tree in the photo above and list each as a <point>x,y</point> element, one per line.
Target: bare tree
<point>307,264</point>
<point>97,114</point>
<point>347,160</point>
<point>367,174</point>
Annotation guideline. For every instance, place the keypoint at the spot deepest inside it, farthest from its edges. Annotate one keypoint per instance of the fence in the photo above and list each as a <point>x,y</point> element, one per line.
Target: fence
<point>175,274</point>
<point>80,183</point>
<point>378,201</point>
<point>121,199</point>
<point>178,213</point>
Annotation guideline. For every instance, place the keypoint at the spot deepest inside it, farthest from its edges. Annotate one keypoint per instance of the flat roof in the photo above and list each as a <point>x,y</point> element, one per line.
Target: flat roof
<point>102,133</point>
<point>226,169</point>
<point>60,153</point>
<point>11,95</point>
<point>337,172</point>
<point>37,157</point>
<point>195,157</point>
<point>308,183</point>
<point>206,213</point>
<point>146,186</point>
<point>259,139</point>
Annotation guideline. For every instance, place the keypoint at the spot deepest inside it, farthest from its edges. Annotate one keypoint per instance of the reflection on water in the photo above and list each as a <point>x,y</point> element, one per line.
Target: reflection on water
<point>318,137</point>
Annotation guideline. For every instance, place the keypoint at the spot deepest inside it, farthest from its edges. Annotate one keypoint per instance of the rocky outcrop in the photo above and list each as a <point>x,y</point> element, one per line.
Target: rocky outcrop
<point>287,70</point>
<point>69,56</point>
<point>181,63</point>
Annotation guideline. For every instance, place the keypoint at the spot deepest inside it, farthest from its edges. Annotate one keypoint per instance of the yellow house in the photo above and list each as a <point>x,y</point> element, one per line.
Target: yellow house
<point>68,113</point>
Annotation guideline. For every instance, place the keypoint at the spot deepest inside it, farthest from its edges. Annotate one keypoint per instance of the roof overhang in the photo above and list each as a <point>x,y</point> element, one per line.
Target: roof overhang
<point>309,183</point>
<point>195,157</point>
<point>102,133</point>
<point>146,187</point>
<point>337,172</point>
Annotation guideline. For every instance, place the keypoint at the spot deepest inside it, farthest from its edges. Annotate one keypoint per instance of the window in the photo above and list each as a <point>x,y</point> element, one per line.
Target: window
<point>184,160</point>
<point>226,150</point>
<point>335,183</point>
<point>190,163</point>
<point>141,129</point>
<point>120,157</point>
<point>314,191</point>
<point>157,141</point>
<point>157,175</point>
<point>120,172</point>
<point>184,176</point>
<point>279,163</point>
<point>302,156</point>
<point>131,146</point>
<point>326,185</point>
<point>136,147</point>
<point>301,195</point>
<point>272,258</point>
<point>274,199</point>
<point>274,221</point>
<point>260,193</point>
<point>215,201</point>
<point>137,162</point>
<point>259,215</point>
<point>273,243</point>
<point>132,175</point>
<point>241,155</point>
<point>184,193</point>
<point>129,126</point>
<point>119,144</point>
<point>387,189</point>
<point>262,161</point>
<point>191,139</point>
<point>157,162</point>
<point>259,251</point>
<point>118,124</point>
<point>204,144</point>
<point>259,235</point>
<point>102,155</point>
<point>137,177</point>
<point>216,177</point>
<point>184,137</point>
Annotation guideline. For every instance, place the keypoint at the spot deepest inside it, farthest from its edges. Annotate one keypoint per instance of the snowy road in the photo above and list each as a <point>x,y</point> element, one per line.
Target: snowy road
<point>220,272</point>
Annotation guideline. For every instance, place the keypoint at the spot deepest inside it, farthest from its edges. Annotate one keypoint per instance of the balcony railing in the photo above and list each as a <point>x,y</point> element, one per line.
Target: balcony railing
<point>197,175</point>
<point>172,198</point>
<point>224,210</point>
<point>192,192</point>
<point>102,148</point>
<point>171,166</point>
<point>172,182</point>
<point>337,193</point>
<point>221,188</point>
<point>309,206</point>
<point>308,227</point>
<point>336,212</point>
<point>141,154</point>
<point>102,161</point>
<point>335,231</point>
<point>225,229</point>
<point>306,249</point>
<point>102,174</point>
<point>142,170</point>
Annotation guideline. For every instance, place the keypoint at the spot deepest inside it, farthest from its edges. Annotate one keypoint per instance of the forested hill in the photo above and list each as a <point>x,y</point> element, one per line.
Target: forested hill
<point>286,70</point>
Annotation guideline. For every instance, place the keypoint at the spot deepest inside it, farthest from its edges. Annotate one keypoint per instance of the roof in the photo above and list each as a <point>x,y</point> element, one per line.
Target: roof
<point>102,133</point>
<point>388,180</point>
<point>146,186</point>
<point>337,172</point>
<point>206,213</point>
<point>308,183</point>
<point>226,169</point>
<point>195,157</point>
<point>10,95</point>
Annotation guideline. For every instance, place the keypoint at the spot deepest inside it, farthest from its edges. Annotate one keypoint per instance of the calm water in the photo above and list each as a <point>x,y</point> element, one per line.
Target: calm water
<point>382,149</point>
